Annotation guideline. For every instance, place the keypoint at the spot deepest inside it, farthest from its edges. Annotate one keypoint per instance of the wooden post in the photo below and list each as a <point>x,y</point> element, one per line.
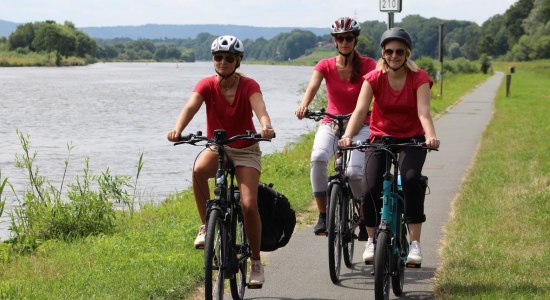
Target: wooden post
<point>508,83</point>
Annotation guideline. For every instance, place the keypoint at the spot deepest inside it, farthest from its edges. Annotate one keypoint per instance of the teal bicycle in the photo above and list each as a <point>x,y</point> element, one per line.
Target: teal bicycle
<point>391,244</point>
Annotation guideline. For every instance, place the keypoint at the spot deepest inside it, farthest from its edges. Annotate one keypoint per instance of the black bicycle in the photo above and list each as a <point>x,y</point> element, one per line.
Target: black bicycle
<point>226,245</point>
<point>343,211</point>
<point>391,244</point>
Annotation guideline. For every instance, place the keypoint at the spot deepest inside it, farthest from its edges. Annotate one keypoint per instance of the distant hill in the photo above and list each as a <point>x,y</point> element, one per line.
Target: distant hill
<point>160,31</point>
<point>6,28</point>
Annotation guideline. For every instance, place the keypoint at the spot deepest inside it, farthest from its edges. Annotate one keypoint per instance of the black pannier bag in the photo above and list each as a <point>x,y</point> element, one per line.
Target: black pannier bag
<point>278,218</point>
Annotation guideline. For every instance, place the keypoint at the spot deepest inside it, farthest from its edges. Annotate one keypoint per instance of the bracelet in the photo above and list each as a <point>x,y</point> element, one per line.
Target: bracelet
<point>346,137</point>
<point>268,126</point>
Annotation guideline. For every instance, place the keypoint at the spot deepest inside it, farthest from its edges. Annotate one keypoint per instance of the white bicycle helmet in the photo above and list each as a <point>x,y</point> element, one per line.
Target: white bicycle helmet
<point>228,43</point>
<point>345,24</point>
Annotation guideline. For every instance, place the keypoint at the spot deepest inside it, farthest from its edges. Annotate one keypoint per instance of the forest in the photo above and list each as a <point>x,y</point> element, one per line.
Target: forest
<point>522,33</point>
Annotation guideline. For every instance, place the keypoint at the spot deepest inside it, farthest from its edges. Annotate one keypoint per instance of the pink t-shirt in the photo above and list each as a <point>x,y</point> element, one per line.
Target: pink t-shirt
<point>394,112</point>
<point>235,118</point>
<point>342,94</point>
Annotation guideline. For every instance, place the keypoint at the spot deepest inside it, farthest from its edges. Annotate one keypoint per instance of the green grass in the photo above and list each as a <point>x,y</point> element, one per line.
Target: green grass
<point>498,240</point>
<point>14,59</point>
<point>152,255</point>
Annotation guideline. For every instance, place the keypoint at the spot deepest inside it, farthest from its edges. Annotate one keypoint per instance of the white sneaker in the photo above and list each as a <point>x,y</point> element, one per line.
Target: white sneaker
<point>199,240</point>
<point>415,253</point>
<point>368,255</point>
<point>256,273</point>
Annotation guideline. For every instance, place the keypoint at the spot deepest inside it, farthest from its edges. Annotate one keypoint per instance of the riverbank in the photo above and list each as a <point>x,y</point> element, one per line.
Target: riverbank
<point>151,255</point>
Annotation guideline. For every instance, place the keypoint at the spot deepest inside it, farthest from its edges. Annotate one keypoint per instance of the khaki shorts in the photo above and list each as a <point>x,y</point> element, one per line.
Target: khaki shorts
<point>245,157</point>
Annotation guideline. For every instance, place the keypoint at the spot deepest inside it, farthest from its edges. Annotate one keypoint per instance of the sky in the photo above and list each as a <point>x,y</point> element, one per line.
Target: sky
<point>262,13</point>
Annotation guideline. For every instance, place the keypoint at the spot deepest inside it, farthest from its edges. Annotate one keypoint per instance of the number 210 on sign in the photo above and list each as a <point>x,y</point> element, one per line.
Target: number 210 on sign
<point>390,5</point>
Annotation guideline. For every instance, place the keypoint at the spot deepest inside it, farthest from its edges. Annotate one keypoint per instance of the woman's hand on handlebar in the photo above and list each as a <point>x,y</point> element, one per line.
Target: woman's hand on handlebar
<point>301,112</point>
<point>346,141</point>
<point>267,133</point>
<point>173,135</point>
<point>432,142</point>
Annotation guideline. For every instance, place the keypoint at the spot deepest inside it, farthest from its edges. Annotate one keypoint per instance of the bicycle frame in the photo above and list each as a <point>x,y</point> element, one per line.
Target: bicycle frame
<point>226,244</point>
<point>391,244</point>
<point>342,210</point>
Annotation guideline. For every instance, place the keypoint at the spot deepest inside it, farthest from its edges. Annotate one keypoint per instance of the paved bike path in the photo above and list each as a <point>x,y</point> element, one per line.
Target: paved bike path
<point>300,270</point>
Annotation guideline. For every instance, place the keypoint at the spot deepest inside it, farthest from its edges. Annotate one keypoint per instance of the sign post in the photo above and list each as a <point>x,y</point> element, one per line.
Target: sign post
<point>391,7</point>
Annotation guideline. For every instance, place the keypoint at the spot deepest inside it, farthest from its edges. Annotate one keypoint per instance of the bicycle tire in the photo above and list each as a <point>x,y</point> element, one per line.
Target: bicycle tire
<point>398,278</point>
<point>334,232</point>
<point>382,257</point>
<point>214,257</point>
<point>240,256</point>
<point>348,221</point>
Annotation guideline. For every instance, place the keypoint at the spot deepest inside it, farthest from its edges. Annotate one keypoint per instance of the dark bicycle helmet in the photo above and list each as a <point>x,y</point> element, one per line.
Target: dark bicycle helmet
<point>396,33</point>
<point>228,43</point>
<point>345,24</point>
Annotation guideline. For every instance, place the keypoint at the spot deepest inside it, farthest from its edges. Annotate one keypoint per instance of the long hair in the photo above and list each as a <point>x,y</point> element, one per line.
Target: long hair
<point>355,66</point>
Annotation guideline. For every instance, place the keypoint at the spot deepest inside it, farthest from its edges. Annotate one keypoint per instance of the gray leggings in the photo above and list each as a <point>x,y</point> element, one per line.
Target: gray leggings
<point>324,147</point>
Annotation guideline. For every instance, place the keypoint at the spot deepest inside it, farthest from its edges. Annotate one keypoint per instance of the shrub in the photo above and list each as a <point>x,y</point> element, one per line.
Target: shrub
<point>88,208</point>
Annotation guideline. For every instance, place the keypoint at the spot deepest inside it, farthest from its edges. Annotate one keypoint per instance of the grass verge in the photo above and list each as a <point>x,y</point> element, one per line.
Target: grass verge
<point>497,241</point>
<point>152,255</point>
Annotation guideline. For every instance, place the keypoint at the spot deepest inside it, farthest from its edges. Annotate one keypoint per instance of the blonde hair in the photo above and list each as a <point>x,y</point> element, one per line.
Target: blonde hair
<point>409,63</point>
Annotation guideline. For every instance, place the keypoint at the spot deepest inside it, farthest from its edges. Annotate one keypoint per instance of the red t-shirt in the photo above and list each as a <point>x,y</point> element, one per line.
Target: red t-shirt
<point>342,94</point>
<point>394,112</point>
<point>235,118</point>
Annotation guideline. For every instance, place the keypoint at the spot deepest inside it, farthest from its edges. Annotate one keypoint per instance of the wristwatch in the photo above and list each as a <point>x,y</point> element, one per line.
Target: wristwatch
<point>268,126</point>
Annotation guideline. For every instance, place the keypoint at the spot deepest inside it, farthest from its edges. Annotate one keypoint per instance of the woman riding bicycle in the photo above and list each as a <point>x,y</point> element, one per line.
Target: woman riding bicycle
<point>401,108</point>
<point>342,75</point>
<point>229,96</point>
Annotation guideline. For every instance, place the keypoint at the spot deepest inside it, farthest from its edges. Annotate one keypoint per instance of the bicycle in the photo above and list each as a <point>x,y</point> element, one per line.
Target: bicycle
<point>226,245</point>
<point>391,244</point>
<point>343,211</point>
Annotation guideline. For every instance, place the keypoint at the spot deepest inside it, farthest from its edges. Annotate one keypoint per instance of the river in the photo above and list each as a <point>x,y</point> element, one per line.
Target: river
<point>113,112</point>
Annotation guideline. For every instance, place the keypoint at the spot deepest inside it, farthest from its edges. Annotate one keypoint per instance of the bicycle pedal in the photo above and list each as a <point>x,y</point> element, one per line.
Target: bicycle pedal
<point>413,266</point>
<point>254,286</point>
<point>321,234</point>
<point>369,263</point>
<point>199,247</point>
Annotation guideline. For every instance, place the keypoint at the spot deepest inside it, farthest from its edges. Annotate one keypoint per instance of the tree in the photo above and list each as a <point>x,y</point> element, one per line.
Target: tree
<point>22,37</point>
<point>513,18</point>
<point>50,37</point>
<point>85,45</point>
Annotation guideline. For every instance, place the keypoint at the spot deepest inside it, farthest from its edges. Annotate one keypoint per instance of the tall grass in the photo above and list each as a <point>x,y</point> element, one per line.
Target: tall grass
<point>497,243</point>
<point>15,59</point>
<point>43,213</point>
<point>149,256</point>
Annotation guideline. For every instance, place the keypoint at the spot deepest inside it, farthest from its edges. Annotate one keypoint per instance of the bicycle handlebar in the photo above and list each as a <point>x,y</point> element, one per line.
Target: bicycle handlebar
<point>388,144</point>
<point>219,138</point>
<point>318,115</point>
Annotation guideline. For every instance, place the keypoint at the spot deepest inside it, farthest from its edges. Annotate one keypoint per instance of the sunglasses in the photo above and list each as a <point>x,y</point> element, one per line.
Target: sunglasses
<point>398,52</point>
<point>347,38</point>
<point>228,58</point>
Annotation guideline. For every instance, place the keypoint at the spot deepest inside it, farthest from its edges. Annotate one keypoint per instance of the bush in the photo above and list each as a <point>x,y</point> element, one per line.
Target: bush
<point>427,64</point>
<point>485,63</point>
<point>42,213</point>
<point>460,65</point>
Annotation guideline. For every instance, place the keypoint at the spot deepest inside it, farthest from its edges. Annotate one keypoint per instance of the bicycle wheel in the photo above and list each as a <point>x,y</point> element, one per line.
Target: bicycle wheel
<point>214,257</point>
<point>348,229</point>
<point>334,232</point>
<point>398,278</point>
<point>382,256</point>
<point>240,257</point>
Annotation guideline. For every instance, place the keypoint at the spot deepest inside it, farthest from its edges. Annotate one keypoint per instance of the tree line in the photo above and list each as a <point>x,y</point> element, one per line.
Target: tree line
<point>521,33</point>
